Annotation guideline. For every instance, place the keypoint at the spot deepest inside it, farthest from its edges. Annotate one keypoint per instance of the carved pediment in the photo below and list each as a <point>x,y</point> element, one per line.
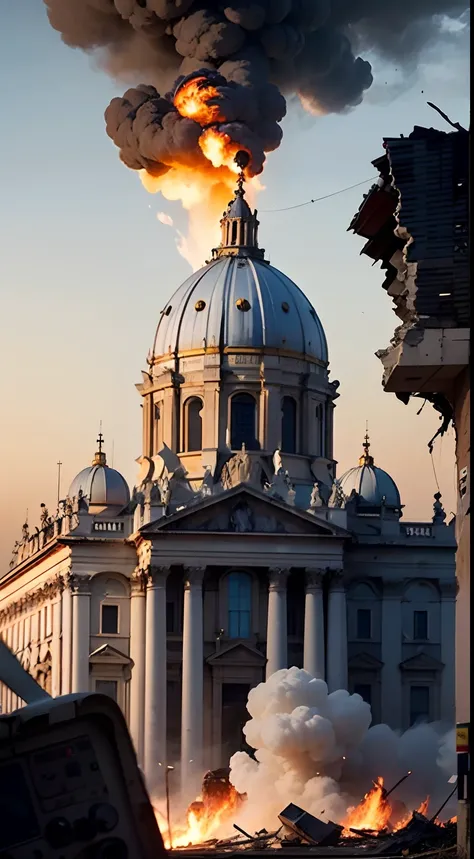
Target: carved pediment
<point>237,653</point>
<point>108,654</point>
<point>421,662</point>
<point>365,662</point>
<point>244,510</point>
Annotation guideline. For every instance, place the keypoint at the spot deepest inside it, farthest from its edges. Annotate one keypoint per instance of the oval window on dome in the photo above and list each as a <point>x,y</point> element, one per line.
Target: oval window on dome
<point>285,307</point>
<point>200,305</point>
<point>168,310</point>
<point>242,304</point>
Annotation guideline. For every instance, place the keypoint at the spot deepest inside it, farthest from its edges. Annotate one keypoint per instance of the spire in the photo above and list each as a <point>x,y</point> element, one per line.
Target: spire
<point>100,458</point>
<point>366,459</point>
<point>239,225</point>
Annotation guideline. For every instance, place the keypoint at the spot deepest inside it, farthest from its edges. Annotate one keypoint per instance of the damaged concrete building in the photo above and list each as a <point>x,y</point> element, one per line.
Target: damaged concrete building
<point>416,224</point>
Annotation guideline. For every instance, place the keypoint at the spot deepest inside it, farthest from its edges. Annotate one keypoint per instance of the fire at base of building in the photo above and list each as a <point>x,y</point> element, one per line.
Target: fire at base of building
<point>416,222</point>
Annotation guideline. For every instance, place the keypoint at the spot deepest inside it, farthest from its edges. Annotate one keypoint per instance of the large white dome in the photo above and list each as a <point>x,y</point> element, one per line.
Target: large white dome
<point>239,300</point>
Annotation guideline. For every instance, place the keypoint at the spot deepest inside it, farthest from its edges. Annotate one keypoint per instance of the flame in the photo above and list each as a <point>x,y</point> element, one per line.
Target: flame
<point>204,195</point>
<point>203,820</point>
<point>444,823</point>
<point>192,100</point>
<point>372,813</point>
<point>405,820</point>
<point>219,149</point>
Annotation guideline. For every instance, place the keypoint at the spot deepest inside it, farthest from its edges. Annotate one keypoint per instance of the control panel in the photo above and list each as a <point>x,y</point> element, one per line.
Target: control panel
<point>70,787</point>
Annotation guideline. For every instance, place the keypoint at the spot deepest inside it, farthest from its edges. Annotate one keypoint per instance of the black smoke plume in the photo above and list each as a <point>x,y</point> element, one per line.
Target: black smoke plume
<point>262,49</point>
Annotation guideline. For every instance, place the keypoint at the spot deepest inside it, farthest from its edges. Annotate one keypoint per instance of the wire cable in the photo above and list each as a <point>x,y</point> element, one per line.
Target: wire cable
<point>318,199</point>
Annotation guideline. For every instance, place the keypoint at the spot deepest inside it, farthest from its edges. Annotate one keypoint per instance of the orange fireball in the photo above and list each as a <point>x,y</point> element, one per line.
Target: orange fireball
<point>192,101</point>
<point>219,149</point>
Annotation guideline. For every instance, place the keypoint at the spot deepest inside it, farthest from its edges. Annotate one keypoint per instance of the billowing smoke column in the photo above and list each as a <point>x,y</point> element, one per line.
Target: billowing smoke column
<point>217,73</point>
<point>261,49</point>
<point>318,750</point>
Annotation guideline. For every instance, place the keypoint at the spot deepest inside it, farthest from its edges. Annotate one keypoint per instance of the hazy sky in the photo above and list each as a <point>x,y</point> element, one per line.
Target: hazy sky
<point>85,268</point>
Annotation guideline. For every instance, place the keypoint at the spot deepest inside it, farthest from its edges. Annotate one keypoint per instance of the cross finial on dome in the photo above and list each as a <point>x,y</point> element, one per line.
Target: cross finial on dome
<point>100,458</point>
<point>366,459</point>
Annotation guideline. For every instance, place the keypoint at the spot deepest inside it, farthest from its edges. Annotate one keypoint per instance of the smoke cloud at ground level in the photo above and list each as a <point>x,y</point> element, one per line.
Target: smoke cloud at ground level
<point>318,751</point>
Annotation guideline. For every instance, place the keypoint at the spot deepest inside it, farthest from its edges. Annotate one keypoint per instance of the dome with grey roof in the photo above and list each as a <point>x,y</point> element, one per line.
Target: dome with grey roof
<point>101,485</point>
<point>239,300</point>
<point>373,485</point>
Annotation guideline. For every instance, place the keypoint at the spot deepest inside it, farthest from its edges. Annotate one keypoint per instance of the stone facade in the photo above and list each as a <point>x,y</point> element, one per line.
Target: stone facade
<point>237,555</point>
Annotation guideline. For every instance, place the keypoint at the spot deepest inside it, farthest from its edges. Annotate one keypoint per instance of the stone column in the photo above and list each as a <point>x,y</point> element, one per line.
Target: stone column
<point>81,601</point>
<point>56,648</point>
<point>137,655</point>
<point>192,678</point>
<point>448,635</point>
<point>66,638</point>
<point>313,660</point>
<point>277,634</point>
<point>391,691</point>
<point>337,633</point>
<point>155,675</point>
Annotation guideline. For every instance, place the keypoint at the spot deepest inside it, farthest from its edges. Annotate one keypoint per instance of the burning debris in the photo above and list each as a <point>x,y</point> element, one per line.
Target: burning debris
<point>315,756</point>
<point>218,73</point>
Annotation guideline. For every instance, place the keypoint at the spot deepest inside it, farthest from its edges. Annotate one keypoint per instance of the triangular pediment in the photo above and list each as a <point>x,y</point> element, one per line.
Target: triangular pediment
<point>244,509</point>
<point>421,662</point>
<point>107,653</point>
<point>365,662</point>
<point>237,653</point>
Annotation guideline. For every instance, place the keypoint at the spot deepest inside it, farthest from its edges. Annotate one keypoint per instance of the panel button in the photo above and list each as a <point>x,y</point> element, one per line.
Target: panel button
<point>58,832</point>
<point>104,816</point>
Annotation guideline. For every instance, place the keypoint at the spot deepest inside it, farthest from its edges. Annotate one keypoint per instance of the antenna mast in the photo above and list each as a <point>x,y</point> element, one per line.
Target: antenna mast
<point>59,464</point>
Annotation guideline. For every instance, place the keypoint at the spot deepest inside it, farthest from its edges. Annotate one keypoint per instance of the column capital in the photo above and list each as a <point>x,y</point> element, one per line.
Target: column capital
<point>336,581</point>
<point>277,578</point>
<point>314,578</point>
<point>156,575</point>
<point>193,577</point>
<point>79,584</point>
<point>137,583</point>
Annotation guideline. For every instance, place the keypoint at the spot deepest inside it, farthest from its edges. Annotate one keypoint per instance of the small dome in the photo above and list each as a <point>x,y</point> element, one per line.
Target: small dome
<point>101,486</point>
<point>373,485</point>
<point>239,301</point>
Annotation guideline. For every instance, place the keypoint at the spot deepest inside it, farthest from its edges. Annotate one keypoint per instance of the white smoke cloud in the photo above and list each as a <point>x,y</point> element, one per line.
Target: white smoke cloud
<point>318,750</point>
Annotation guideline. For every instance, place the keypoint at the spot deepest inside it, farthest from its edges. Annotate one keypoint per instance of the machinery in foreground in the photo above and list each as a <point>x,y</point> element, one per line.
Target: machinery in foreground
<point>70,786</point>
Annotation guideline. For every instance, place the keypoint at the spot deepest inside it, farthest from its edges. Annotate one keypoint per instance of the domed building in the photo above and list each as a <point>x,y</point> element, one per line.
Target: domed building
<point>103,488</point>
<point>374,488</point>
<point>239,551</point>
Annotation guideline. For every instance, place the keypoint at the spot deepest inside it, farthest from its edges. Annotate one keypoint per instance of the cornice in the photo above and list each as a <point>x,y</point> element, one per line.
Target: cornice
<point>26,603</point>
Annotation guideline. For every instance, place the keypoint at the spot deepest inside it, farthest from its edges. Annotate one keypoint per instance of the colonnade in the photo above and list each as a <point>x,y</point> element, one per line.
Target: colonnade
<point>148,650</point>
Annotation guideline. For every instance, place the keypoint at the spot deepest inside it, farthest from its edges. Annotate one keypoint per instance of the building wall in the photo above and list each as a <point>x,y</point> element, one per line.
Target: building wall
<point>390,581</point>
<point>462,419</point>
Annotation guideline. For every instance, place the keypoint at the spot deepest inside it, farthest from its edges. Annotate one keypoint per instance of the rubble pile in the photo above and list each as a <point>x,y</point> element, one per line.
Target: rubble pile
<point>375,827</point>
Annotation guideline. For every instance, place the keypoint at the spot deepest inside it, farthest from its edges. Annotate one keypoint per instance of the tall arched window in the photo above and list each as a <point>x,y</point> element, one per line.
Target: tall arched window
<point>240,605</point>
<point>193,424</point>
<point>288,425</point>
<point>243,418</point>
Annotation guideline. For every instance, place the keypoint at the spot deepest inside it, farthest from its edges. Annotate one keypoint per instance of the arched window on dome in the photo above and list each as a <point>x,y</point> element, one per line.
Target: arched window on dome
<point>288,425</point>
<point>243,422</point>
<point>239,589</point>
<point>192,424</point>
